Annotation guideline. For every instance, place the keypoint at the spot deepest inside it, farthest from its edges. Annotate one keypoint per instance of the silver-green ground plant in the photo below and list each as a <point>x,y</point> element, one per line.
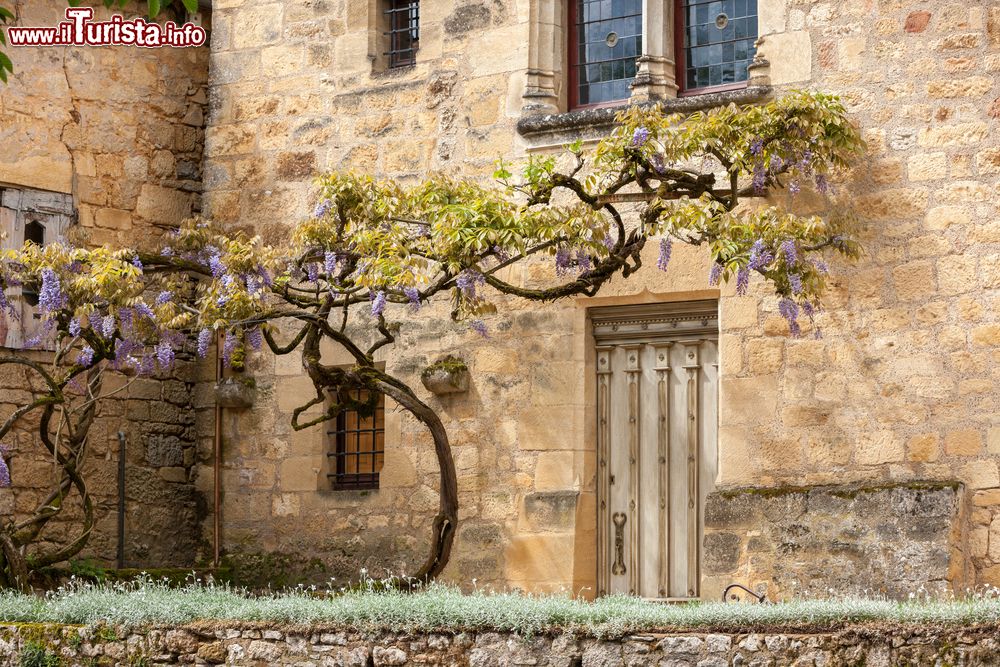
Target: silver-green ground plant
<point>440,608</point>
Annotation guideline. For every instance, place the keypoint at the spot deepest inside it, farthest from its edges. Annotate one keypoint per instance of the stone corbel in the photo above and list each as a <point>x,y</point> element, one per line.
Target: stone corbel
<point>759,69</point>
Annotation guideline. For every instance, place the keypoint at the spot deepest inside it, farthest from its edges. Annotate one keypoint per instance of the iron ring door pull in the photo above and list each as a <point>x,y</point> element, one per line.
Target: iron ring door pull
<point>619,519</point>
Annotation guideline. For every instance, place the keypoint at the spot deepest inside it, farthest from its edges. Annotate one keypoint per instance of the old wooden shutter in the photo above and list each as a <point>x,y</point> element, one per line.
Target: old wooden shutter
<point>30,215</point>
<point>657,411</point>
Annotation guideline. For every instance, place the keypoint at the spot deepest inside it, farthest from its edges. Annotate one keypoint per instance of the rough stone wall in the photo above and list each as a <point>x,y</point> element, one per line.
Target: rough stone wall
<point>786,542</point>
<point>901,387</point>
<point>121,130</point>
<point>903,384</point>
<point>329,647</point>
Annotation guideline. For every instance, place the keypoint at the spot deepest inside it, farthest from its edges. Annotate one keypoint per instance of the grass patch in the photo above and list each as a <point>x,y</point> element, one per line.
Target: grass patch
<point>442,608</point>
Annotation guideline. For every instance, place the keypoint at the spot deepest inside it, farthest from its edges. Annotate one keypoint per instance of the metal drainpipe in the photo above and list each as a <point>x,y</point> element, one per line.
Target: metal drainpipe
<point>121,499</point>
<point>217,472</point>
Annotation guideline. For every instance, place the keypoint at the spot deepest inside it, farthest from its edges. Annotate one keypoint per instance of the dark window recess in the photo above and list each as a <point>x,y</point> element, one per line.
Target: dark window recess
<point>718,43</point>
<point>358,448</point>
<point>404,32</point>
<point>605,40</point>
<point>34,231</point>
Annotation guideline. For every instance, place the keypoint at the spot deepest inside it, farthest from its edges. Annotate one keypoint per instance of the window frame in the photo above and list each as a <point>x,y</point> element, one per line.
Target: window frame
<point>680,59</point>
<point>338,451</point>
<point>389,14</point>
<point>573,62</point>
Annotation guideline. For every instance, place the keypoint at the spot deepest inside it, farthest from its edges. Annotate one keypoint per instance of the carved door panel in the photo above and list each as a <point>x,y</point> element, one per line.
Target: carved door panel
<point>657,411</point>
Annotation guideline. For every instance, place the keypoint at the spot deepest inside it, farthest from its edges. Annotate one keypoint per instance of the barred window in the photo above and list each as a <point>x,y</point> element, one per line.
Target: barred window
<point>403,35</point>
<point>358,448</point>
<point>717,45</point>
<point>605,40</point>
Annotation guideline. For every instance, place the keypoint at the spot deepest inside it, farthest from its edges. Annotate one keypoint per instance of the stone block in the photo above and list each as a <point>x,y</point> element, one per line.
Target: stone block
<point>790,55</point>
<point>163,205</point>
<point>963,442</point>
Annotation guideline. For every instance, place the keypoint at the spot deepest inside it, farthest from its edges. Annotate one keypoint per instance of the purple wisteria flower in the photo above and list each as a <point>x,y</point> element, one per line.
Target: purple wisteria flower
<point>480,328</point>
<point>760,256</point>
<point>165,354</point>
<point>378,303</point>
<point>312,272</point>
<point>137,263</point>
<point>322,208</point>
<point>716,274</point>
<point>790,311</point>
<point>164,297</point>
<point>564,257</point>
<point>413,294</point>
<point>228,347</point>
<point>4,469</point>
<point>51,297</point>
<point>74,327</point>
<point>640,136</point>
<point>144,365</point>
<point>204,339</point>
<point>501,254</point>
<point>822,184</point>
<point>666,245</point>
<point>795,280</point>
<point>142,309</point>
<point>609,242</point>
<point>108,326</point>
<point>789,252</point>
<point>658,164</point>
<point>217,266</point>
<point>742,281</point>
<point>794,187</point>
<point>329,263</point>
<point>468,280</point>
<point>584,263</point>
<point>255,338</point>
<point>86,356</point>
<point>167,252</point>
<point>756,146</point>
<point>776,164</point>
<point>759,178</point>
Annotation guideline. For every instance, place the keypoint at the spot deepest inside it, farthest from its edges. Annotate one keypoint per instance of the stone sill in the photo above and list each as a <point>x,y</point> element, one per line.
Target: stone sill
<point>560,128</point>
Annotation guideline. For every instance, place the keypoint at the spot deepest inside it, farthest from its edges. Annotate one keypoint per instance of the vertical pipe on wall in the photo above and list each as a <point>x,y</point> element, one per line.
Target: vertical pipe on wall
<point>217,465</point>
<point>121,499</point>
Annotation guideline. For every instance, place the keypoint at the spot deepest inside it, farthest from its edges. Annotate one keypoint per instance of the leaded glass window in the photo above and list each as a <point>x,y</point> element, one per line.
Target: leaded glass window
<point>719,38</point>
<point>606,40</point>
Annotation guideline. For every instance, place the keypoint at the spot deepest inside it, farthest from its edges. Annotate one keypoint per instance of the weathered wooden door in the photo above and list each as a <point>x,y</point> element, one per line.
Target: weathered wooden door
<point>657,415</point>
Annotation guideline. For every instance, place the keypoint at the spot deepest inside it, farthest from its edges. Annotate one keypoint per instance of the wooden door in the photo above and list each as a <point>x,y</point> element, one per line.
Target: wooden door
<point>657,412</point>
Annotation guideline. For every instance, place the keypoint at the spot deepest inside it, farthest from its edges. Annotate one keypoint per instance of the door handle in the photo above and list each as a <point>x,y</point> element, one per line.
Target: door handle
<point>619,520</point>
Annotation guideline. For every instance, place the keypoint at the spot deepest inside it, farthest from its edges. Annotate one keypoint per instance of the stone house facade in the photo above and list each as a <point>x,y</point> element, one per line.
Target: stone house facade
<point>864,459</point>
<point>104,145</point>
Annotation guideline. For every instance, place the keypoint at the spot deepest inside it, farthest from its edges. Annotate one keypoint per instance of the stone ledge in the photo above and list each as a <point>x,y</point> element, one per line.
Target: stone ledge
<point>589,121</point>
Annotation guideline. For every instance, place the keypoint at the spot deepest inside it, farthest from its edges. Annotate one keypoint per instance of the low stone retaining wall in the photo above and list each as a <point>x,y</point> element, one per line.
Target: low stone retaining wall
<point>327,647</point>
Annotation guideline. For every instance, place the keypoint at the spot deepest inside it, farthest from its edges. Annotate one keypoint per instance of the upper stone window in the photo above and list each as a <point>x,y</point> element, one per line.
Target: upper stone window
<point>718,44</point>
<point>39,217</point>
<point>636,51</point>
<point>605,40</point>
<point>402,21</point>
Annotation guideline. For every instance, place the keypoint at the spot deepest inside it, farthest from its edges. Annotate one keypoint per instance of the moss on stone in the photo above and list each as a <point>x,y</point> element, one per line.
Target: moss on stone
<point>844,491</point>
<point>450,364</point>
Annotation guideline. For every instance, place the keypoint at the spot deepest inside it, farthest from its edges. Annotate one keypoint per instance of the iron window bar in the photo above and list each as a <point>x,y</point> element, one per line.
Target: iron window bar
<point>347,462</point>
<point>404,32</point>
